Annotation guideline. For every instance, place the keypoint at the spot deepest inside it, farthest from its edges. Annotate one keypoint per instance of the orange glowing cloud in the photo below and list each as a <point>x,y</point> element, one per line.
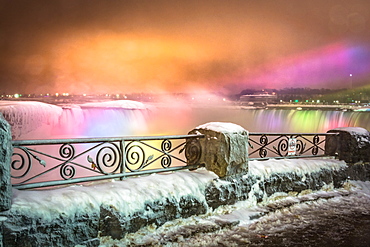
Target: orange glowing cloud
<point>117,62</point>
<point>179,46</point>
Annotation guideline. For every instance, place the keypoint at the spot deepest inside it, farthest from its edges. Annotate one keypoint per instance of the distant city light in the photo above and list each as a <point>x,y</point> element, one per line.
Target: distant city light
<point>16,95</point>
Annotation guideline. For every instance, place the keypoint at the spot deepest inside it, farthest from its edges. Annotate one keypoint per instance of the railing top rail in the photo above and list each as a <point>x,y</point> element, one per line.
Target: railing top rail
<point>101,139</point>
<point>275,134</point>
<point>97,178</point>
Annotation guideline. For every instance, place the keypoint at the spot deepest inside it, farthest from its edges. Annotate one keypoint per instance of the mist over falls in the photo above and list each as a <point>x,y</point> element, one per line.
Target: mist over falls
<point>36,120</point>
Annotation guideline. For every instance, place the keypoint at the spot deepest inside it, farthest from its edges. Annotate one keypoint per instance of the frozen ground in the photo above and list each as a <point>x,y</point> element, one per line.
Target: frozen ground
<point>279,220</point>
<point>330,217</point>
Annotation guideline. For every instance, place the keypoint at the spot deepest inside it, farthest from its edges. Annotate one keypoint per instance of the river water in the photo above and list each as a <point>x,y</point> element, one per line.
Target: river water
<point>330,217</point>
<point>36,120</point>
<point>179,120</point>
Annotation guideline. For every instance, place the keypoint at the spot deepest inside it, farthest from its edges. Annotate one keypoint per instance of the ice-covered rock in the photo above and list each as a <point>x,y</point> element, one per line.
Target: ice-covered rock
<point>352,144</point>
<point>6,151</point>
<point>72,215</point>
<point>224,149</point>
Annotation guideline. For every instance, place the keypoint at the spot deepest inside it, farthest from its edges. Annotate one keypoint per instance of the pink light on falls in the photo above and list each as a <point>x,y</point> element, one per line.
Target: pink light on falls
<point>326,67</point>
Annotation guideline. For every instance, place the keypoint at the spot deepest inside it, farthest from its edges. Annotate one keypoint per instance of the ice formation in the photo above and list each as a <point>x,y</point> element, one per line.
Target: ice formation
<point>29,116</point>
<point>126,196</point>
<point>129,195</point>
<point>37,120</point>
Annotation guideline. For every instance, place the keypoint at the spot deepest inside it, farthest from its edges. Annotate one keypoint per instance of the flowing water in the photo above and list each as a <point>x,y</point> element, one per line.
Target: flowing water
<point>36,120</point>
<point>259,120</point>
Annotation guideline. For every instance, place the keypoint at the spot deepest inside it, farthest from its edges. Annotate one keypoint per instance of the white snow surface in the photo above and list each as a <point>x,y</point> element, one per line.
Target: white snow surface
<point>354,130</point>
<point>222,127</point>
<point>300,167</point>
<point>126,196</point>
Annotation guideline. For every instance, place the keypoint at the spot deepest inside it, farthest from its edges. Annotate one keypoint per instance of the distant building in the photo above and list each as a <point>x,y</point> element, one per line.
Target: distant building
<point>258,99</point>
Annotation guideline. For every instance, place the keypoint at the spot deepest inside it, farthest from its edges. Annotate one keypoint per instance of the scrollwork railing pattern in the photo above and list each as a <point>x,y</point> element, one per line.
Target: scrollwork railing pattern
<point>271,145</point>
<point>69,160</point>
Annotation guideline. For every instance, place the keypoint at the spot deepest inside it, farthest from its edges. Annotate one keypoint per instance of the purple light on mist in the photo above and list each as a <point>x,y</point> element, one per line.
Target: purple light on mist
<point>325,67</point>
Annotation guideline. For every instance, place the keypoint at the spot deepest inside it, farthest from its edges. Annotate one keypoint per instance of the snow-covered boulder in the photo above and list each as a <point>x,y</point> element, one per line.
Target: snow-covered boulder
<point>224,149</point>
<point>351,145</point>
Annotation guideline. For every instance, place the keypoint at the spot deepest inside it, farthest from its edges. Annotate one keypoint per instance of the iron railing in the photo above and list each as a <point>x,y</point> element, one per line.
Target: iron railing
<point>287,145</point>
<point>45,163</point>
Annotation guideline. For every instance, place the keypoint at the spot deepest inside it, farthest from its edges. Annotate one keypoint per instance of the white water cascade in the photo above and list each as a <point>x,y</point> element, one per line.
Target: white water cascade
<point>36,120</point>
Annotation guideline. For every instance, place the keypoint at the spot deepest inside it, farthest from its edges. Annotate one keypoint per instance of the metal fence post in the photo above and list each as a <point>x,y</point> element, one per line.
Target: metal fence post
<point>123,161</point>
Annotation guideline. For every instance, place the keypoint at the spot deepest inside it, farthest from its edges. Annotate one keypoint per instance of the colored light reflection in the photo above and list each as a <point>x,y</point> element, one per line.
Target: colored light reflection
<point>326,67</point>
<point>314,121</point>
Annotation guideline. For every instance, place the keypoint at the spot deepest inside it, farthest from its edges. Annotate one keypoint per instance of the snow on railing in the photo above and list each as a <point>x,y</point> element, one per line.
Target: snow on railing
<point>287,145</point>
<point>45,163</point>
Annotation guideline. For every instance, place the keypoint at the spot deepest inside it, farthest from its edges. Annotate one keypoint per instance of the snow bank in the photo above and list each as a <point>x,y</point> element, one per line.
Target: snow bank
<point>117,208</point>
<point>130,195</point>
<point>300,167</point>
<point>353,130</point>
<point>126,196</point>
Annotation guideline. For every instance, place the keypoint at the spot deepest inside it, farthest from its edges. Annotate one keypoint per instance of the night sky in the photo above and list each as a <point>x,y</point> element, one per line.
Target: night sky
<point>75,46</point>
